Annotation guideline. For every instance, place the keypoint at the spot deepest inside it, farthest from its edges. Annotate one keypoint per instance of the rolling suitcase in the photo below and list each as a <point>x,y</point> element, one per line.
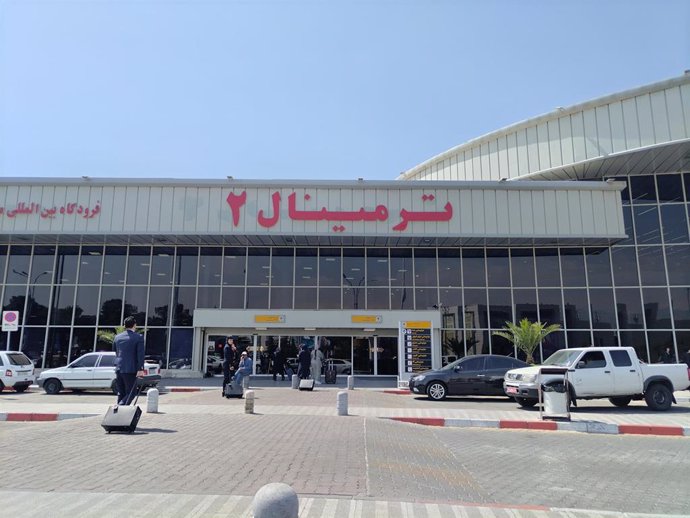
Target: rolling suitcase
<point>331,374</point>
<point>233,389</point>
<point>124,418</point>
<point>307,384</point>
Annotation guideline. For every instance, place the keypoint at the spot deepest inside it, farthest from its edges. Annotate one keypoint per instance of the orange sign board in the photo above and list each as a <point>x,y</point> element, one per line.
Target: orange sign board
<point>421,324</point>
<point>269,319</point>
<point>366,319</point>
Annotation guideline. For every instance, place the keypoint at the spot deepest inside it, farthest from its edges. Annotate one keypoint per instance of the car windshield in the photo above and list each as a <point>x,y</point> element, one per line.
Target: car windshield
<point>18,359</point>
<point>562,358</point>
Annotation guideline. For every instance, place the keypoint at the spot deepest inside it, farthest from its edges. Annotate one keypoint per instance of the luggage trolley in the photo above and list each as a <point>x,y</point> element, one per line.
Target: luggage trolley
<point>554,399</point>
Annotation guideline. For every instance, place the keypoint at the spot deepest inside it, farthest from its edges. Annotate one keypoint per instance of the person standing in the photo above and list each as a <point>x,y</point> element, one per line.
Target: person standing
<point>686,359</point>
<point>316,363</point>
<point>228,360</point>
<point>129,361</point>
<point>278,364</point>
<point>667,356</point>
<point>303,363</point>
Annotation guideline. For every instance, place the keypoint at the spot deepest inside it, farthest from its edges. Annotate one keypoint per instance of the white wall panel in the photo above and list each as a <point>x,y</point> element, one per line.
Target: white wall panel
<point>167,209</point>
<point>522,152</point>
<point>577,126</point>
<point>512,167</point>
<point>503,213</point>
<point>57,224</point>
<point>553,128</point>
<point>632,126</point>
<point>46,200</point>
<point>490,225</point>
<point>574,214</point>
<point>586,210</point>
<point>485,168</point>
<point>95,199</point>
<point>526,211</point>
<point>178,207</point>
<point>590,125</point>
<point>203,219</point>
<point>467,212</point>
<point>83,199</point>
<point>614,214</point>
<point>563,213</point>
<point>512,214</point>
<point>533,149</point>
<point>141,210</point>
<point>617,127</point>
<point>494,170</point>
<point>503,171</point>
<point>478,210</point>
<point>674,107</point>
<point>476,164</point>
<point>685,99</point>
<point>550,212</point>
<point>543,146</point>
<point>644,120</point>
<point>154,209</point>
<point>660,117</point>
<point>603,130</point>
<point>599,209</point>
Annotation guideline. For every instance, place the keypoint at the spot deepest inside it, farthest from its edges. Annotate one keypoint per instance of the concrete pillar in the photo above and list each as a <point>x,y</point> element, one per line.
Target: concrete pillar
<point>275,500</point>
<point>342,402</point>
<point>152,401</point>
<point>295,381</point>
<point>350,382</point>
<point>249,402</point>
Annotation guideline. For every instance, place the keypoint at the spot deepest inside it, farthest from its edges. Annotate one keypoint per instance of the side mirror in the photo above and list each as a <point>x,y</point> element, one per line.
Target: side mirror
<point>457,368</point>
<point>581,365</point>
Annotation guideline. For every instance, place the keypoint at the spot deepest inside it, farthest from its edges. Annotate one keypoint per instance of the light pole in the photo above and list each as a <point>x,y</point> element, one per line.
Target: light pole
<point>355,290</point>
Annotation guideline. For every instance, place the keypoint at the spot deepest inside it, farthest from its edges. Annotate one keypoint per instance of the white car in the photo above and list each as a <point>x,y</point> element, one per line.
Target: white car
<point>90,371</point>
<point>16,371</point>
<point>341,366</point>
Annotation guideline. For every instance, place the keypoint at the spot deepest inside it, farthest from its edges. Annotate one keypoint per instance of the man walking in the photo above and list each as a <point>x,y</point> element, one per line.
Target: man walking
<point>129,361</point>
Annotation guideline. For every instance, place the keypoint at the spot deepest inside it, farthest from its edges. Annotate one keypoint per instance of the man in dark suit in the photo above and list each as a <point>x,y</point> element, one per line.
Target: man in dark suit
<point>129,363</point>
<point>229,353</point>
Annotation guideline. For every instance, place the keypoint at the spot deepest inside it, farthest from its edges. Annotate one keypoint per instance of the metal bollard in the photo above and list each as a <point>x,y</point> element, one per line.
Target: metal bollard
<point>350,382</point>
<point>295,381</point>
<point>152,401</point>
<point>342,402</point>
<point>249,402</point>
<point>275,500</point>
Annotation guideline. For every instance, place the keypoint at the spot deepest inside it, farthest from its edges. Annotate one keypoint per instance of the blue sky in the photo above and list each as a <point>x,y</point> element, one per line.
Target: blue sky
<point>304,89</point>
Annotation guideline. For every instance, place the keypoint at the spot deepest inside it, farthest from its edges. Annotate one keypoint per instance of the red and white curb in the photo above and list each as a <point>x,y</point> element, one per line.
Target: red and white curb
<point>40,416</point>
<point>564,426</point>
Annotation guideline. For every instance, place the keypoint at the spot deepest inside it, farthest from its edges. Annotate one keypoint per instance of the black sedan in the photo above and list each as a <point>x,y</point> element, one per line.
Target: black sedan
<point>480,375</point>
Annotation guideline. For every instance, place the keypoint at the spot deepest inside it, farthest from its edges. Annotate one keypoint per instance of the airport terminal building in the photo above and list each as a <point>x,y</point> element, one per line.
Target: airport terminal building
<point>578,217</point>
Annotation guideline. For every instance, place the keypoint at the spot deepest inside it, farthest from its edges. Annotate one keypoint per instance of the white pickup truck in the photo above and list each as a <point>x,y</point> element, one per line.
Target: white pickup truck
<point>615,373</point>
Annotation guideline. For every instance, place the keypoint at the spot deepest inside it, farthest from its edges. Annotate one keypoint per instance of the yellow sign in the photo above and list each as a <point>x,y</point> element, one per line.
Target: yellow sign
<point>417,325</point>
<point>366,319</point>
<point>269,319</point>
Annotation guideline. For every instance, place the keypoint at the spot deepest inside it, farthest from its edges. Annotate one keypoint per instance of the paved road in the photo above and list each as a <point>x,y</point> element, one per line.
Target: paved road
<point>351,457</point>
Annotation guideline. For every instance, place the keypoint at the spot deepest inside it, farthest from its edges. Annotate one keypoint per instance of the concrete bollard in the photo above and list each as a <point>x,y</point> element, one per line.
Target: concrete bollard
<point>249,402</point>
<point>295,381</point>
<point>275,500</point>
<point>152,401</point>
<point>350,382</point>
<point>342,402</point>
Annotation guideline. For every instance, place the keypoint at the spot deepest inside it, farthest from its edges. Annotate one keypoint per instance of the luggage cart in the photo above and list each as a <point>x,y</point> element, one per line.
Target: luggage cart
<point>554,399</point>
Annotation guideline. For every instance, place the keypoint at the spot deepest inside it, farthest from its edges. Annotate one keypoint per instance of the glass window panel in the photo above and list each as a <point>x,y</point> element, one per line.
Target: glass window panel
<point>579,339</point>
<point>651,260</point>
<point>522,265</point>
<point>629,308</point>
<point>476,310</point>
<point>138,265</point>
<point>498,268</point>
<point>377,267</point>
<point>14,299</point>
<point>162,265</point>
<point>642,189</point>
<point>305,298</point>
<point>605,339</point>
<point>669,187</point>
<point>401,267</point>
<point>181,346</point>
<point>625,193</point>
<point>208,297</point>
<point>452,345</point>
<point>576,309</point>
<point>525,304</point>
<point>14,341</point>
<point>598,266</point>
<point>83,341</point>
<point>257,298</point>
<point>66,265</point>
<point>677,261</point>
<point>111,306</point>
<point>638,341</point>
<point>103,344</point>
<point>425,271</point>
<point>259,267</point>
<point>378,298</point>
<point>42,266</point>
<point>37,306</point>
<point>658,342</point>
<point>157,346</point>
<point>624,261</point>
<point>450,297</point>
<point>683,341</point>
<point>449,267</point>
<point>282,267</point>
<point>473,268</point>
<point>674,223</point>
<point>426,298</point>
<point>57,347</point>
<point>552,343</point>
<point>402,298</point>
<point>114,264</point>
<point>573,267</point>
<point>18,265</point>
<point>603,308</point>
<point>550,306</point>
<point>86,307</point>
<point>159,306</point>
<point>686,182</point>
<point>306,267</point>
<point>281,298</point>
<point>210,265</point>
<point>34,343</point>
<point>135,303</point>
<point>232,298</point>
<point>3,260</point>
<point>450,316</point>
<point>548,268</point>
<point>647,230</point>
<point>186,265</point>
<point>477,341</point>
<point>629,230</point>
<point>680,302</point>
<point>63,305</point>
<point>353,267</point>
<point>329,298</point>
<point>234,263</point>
<point>500,308</point>
<point>90,264</point>
<point>184,302</point>
<point>353,298</point>
<point>500,345</point>
<point>656,308</point>
<point>330,273</point>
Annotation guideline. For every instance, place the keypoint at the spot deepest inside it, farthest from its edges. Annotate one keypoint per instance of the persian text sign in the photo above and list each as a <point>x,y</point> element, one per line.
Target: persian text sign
<point>33,208</point>
<point>416,346</point>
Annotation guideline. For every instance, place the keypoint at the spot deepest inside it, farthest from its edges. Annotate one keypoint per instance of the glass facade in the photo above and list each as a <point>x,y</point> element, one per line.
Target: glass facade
<point>635,293</point>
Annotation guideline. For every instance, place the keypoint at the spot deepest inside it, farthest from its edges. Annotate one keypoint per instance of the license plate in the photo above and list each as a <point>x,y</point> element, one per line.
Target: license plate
<point>511,390</point>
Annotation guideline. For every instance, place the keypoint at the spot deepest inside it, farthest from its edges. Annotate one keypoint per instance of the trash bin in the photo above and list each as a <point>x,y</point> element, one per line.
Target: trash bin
<point>555,399</point>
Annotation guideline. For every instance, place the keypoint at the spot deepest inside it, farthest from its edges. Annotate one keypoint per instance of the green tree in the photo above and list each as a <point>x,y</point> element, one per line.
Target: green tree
<point>526,335</point>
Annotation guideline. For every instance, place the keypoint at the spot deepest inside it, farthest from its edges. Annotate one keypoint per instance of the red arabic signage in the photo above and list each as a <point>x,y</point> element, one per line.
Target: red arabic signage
<point>268,218</point>
<point>32,208</point>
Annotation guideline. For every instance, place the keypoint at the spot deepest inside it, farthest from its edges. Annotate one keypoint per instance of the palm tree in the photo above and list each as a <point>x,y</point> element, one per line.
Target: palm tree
<point>526,335</point>
<point>107,336</point>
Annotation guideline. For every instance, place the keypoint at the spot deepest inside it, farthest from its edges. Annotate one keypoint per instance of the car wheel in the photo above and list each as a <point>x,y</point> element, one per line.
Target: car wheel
<point>658,397</point>
<point>21,389</point>
<point>52,386</point>
<point>113,387</point>
<point>526,402</point>
<point>622,401</point>
<point>436,390</point>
